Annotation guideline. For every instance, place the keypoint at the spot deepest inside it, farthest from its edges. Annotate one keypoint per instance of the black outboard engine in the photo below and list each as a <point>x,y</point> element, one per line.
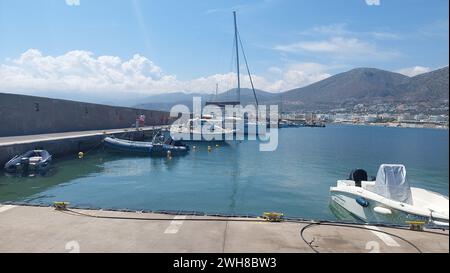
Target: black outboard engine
<point>358,175</point>
<point>25,165</point>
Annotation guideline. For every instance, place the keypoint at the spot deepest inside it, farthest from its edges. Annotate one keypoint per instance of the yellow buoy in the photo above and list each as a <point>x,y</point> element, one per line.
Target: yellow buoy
<point>209,148</point>
<point>80,155</point>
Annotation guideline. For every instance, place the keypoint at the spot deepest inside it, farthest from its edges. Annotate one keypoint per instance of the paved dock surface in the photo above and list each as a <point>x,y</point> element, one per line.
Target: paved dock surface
<point>5,141</point>
<point>43,229</point>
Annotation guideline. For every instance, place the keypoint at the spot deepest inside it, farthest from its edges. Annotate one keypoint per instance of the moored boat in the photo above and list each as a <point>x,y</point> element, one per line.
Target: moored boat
<point>201,129</point>
<point>389,198</point>
<point>158,147</point>
<point>34,160</point>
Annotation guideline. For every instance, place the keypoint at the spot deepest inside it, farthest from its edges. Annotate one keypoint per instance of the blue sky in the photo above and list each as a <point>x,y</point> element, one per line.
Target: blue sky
<point>151,47</point>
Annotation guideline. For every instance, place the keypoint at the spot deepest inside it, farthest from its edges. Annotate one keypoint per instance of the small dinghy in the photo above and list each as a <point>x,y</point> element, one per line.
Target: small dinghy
<point>34,160</point>
<point>390,199</point>
<point>158,147</point>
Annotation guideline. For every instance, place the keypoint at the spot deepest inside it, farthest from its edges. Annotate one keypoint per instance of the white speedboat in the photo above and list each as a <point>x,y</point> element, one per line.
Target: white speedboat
<point>389,198</point>
<point>245,126</point>
<point>201,129</point>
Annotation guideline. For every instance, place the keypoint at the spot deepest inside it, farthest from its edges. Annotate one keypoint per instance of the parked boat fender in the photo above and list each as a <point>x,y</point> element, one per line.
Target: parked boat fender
<point>362,201</point>
<point>382,210</point>
<point>439,223</point>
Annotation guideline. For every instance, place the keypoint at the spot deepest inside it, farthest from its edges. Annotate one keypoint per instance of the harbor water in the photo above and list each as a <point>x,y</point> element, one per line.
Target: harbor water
<point>239,179</point>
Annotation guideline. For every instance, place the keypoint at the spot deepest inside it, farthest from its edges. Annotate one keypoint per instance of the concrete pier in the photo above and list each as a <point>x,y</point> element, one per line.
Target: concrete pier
<point>43,229</point>
<point>62,144</point>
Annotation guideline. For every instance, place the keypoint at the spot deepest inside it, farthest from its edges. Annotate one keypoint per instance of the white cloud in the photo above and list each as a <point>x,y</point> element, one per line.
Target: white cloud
<point>385,35</point>
<point>339,48</point>
<point>73,2</point>
<point>297,75</point>
<point>81,71</point>
<point>331,29</point>
<point>373,2</point>
<point>414,71</point>
<point>341,30</point>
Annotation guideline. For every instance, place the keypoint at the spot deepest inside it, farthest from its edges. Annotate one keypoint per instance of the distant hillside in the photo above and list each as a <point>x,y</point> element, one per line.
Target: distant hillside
<point>166,101</point>
<point>369,86</point>
<point>376,89</point>
<point>431,86</point>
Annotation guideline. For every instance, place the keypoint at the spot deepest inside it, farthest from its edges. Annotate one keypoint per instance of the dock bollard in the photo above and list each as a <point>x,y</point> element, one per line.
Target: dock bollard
<point>416,225</point>
<point>273,216</point>
<point>60,205</point>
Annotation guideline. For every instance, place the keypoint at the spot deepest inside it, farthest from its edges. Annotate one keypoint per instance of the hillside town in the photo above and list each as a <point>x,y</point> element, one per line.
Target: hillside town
<point>404,120</point>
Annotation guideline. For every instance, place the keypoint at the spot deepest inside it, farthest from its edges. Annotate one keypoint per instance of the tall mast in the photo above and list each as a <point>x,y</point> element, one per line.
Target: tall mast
<point>237,59</point>
<point>217,89</point>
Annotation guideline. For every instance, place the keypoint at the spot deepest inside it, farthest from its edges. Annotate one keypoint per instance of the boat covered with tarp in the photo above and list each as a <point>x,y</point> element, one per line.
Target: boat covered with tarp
<point>389,198</point>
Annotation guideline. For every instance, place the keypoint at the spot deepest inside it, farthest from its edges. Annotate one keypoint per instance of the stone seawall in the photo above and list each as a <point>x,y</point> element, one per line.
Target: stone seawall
<point>28,115</point>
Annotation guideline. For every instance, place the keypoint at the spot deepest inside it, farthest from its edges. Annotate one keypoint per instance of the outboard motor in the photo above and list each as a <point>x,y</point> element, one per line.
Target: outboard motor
<point>358,175</point>
<point>25,165</point>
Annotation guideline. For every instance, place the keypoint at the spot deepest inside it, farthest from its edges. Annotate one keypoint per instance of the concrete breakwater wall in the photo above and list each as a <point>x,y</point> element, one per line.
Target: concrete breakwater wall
<point>28,115</point>
<point>66,144</point>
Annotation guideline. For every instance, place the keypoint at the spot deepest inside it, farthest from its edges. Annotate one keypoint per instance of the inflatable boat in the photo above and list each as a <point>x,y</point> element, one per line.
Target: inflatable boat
<point>34,160</point>
<point>167,148</point>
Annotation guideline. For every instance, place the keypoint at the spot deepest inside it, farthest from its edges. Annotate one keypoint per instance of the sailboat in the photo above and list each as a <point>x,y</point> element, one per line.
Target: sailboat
<point>250,125</point>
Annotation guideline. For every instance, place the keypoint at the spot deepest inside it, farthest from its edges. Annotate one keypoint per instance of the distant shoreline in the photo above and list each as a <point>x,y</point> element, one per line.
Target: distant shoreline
<point>395,125</point>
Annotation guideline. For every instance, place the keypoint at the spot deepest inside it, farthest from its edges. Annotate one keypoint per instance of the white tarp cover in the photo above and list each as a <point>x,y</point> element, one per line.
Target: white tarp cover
<point>392,183</point>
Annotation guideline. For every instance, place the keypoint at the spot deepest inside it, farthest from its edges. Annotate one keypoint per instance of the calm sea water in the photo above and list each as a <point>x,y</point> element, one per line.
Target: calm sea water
<point>239,179</point>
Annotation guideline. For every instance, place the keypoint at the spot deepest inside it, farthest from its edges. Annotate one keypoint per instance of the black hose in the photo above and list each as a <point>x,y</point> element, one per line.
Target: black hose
<point>309,225</point>
<point>356,227</point>
<point>161,219</point>
<point>250,219</point>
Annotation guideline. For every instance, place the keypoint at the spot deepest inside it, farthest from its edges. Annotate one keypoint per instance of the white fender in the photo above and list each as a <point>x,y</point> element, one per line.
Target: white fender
<point>439,223</point>
<point>382,210</point>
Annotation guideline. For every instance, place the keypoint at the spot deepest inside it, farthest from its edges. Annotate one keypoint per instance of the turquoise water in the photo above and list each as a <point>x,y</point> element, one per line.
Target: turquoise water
<point>295,179</point>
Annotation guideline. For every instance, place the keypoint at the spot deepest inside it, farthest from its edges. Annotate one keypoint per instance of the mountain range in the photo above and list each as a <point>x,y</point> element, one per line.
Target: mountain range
<point>366,88</point>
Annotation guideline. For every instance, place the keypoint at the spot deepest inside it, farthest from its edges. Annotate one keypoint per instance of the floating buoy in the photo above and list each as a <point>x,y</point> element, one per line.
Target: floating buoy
<point>194,147</point>
<point>217,145</point>
<point>80,155</point>
<point>169,154</point>
<point>209,148</point>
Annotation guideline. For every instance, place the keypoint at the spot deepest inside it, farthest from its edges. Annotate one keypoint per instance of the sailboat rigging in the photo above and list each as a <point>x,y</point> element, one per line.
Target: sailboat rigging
<point>238,44</point>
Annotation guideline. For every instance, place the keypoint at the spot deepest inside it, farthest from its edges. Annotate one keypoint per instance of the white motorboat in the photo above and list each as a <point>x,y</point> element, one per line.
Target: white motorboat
<point>389,198</point>
<point>201,129</point>
<point>245,126</point>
